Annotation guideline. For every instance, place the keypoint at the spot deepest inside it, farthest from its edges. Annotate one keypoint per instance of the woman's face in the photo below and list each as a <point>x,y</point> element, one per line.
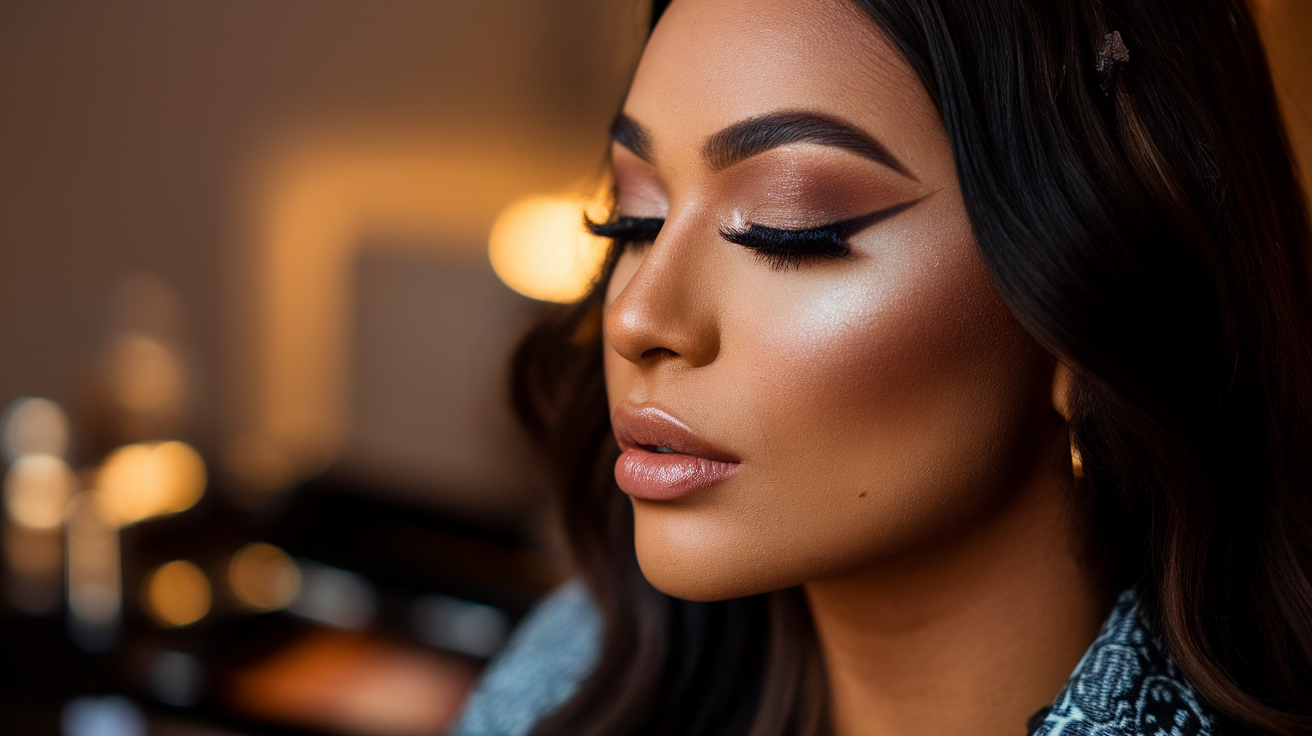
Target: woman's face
<point>793,406</point>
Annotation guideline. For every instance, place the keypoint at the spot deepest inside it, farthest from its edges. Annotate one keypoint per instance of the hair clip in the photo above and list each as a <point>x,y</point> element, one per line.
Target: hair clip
<point>1112,57</point>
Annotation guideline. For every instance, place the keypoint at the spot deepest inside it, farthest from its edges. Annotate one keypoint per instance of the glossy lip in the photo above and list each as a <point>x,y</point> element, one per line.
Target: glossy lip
<point>693,465</point>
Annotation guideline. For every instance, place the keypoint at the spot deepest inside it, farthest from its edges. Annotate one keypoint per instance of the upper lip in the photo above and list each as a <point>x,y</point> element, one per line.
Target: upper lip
<point>647,425</point>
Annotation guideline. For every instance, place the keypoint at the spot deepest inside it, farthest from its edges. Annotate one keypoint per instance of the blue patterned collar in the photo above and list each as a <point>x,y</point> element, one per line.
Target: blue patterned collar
<point>1125,685</point>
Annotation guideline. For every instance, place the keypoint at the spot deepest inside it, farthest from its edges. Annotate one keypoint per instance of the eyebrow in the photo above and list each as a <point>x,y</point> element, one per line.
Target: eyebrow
<point>628,133</point>
<point>757,135</point>
<point>754,136</point>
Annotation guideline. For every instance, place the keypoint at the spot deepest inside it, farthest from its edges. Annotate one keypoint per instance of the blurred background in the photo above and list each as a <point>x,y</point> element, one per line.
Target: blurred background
<point>264,263</point>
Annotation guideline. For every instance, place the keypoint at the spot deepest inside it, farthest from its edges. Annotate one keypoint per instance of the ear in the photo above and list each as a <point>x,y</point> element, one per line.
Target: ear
<point>1061,390</point>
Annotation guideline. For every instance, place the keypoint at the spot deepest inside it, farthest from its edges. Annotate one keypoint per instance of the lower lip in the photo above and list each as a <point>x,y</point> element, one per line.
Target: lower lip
<point>665,476</point>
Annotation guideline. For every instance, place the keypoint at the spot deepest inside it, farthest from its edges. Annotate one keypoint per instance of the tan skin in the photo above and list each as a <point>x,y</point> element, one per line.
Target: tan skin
<point>899,453</point>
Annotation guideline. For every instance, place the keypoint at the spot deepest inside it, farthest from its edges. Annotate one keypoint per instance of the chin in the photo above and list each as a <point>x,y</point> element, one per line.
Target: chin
<point>705,583</point>
<point>690,554</point>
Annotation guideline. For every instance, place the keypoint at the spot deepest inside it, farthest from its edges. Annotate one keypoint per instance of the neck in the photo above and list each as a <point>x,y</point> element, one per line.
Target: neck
<point>970,636</point>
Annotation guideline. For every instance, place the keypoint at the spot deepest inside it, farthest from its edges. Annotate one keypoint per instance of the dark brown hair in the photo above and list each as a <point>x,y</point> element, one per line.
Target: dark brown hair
<point>1153,236</point>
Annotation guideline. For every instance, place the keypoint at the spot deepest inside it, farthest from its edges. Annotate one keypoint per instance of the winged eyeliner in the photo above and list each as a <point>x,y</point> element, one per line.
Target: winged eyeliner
<point>780,248</point>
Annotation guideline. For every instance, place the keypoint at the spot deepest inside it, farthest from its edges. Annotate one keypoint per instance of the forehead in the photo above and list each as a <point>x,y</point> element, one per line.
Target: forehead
<point>711,63</point>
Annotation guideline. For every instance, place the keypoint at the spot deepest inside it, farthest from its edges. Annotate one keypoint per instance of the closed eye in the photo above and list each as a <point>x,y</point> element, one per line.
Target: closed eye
<point>780,248</point>
<point>783,249</point>
<point>628,230</point>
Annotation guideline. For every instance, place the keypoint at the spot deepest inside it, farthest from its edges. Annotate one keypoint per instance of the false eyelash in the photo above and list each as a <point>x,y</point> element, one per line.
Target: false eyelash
<point>779,248</point>
<point>788,249</point>
<point>785,250</point>
<point>628,230</point>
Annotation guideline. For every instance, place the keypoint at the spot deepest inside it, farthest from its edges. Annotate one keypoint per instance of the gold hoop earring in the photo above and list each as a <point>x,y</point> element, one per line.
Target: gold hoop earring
<point>1077,463</point>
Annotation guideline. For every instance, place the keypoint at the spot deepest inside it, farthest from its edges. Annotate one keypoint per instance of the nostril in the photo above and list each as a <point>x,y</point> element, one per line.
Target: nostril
<point>656,353</point>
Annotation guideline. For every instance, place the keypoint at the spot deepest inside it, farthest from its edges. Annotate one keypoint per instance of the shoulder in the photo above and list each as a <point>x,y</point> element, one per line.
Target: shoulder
<point>554,648</point>
<point>1126,685</point>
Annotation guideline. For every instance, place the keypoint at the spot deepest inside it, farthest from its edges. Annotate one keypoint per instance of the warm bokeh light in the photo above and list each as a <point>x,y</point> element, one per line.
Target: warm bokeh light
<point>540,248</point>
<point>150,479</point>
<point>351,683</point>
<point>34,426</point>
<point>177,593</point>
<point>145,376</point>
<point>263,578</point>
<point>37,488</point>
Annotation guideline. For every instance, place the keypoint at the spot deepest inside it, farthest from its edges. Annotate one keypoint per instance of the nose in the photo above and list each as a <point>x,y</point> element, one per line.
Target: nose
<point>667,311</point>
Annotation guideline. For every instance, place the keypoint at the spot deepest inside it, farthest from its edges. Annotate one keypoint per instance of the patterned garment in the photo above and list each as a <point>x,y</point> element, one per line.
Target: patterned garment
<point>1125,685</point>
<point>554,648</point>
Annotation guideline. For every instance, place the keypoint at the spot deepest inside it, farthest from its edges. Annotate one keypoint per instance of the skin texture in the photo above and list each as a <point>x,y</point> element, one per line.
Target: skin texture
<point>900,454</point>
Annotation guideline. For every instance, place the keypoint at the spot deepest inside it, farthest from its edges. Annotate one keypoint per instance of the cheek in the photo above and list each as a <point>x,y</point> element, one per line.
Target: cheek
<point>897,397</point>
<point>908,360</point>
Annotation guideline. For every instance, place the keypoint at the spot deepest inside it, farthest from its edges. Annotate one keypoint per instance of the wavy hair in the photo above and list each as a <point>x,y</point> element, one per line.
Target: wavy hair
<point>1153,237</point>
